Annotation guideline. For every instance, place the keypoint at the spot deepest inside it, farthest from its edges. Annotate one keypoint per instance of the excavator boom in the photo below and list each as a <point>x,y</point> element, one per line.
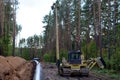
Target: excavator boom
<point>99,61</point>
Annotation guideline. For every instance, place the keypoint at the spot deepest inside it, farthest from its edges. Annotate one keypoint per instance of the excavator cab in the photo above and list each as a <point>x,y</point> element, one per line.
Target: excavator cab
<point>74,57</point>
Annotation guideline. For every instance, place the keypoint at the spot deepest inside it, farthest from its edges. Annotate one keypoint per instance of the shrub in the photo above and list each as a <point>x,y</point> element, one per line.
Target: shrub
<point>46,57</point>
<point>63,53</point>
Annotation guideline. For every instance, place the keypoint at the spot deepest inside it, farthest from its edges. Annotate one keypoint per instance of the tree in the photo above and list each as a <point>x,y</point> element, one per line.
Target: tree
<point>109,26</point>
<point>78,39</point>
<point>1,17</point>
<point>49,20</point>
<point>21,45</point>
<point>100,29</point>
<point>30,44</point>
<point>6,25</point>
<point>36,44</point>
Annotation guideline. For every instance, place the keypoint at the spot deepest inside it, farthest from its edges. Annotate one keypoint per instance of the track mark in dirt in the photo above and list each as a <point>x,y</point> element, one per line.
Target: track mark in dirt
<point>78,78</point>
<point>68,78</point>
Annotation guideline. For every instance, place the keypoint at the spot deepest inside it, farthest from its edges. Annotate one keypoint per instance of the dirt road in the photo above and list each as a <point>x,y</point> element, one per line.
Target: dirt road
<point>50,73</point>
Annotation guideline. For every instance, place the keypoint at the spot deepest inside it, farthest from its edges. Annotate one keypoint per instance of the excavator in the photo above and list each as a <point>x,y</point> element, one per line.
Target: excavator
<point>77,65</point>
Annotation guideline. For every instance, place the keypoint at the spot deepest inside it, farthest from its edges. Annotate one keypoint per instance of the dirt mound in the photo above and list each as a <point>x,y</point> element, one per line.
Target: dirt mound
<point>5,68</point>
<point>15,68</point>
<point>15,62</point>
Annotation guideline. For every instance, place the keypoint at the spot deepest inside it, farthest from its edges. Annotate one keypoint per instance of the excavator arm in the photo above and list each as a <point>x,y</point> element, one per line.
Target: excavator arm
<point>96,61</point>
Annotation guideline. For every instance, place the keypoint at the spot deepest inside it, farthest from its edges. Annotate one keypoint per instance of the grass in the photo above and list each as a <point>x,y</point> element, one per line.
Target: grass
<point>110,73</point>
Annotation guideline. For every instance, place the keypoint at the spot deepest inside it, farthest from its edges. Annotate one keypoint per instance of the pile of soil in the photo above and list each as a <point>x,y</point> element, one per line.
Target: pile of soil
<point>15,68</point>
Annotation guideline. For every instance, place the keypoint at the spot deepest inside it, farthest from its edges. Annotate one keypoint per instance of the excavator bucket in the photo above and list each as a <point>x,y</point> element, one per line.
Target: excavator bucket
<point>101,63</point>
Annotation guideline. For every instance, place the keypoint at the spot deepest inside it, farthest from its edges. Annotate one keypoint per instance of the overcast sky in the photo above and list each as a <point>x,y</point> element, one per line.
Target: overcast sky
<point>30,16</point>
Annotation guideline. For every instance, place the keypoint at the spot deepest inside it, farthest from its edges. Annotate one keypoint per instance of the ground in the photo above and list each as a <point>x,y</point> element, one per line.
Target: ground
<point>50,73</point>
<point>15,68</point>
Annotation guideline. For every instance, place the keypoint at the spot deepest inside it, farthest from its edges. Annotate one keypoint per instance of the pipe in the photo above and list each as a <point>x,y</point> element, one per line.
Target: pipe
<point>37,75</point>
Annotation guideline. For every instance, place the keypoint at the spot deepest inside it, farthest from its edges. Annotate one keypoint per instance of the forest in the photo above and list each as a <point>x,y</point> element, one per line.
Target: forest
<point>91,26</point>
<point>9,29</point>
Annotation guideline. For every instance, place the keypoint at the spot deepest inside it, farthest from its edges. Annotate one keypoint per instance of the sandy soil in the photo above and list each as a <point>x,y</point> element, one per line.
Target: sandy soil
<point>15,68</point>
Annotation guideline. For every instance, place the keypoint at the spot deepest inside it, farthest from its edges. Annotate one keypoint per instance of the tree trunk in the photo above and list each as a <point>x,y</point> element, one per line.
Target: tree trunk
<point>67,20</point>
<point>114,23</point>
<point>78,28</point>
<point>95,26</point>
<point>14,27</point>
<point>69,46</point>
<point>100,30</point>
<point>109,26</point>
<point>1,17</point>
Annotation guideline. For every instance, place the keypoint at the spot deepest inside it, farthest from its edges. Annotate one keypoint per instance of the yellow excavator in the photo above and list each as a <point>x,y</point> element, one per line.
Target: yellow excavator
<point>77,65</point>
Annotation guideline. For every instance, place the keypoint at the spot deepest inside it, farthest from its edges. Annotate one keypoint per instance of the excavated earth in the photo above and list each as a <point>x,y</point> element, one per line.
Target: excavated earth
<point>15,68</point>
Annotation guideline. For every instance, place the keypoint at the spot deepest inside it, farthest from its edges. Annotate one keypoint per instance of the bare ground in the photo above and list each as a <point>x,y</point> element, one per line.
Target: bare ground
<point>50,73</point>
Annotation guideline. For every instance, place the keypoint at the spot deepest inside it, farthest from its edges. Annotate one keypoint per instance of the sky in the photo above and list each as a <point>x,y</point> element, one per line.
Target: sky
<point>30,16</point>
